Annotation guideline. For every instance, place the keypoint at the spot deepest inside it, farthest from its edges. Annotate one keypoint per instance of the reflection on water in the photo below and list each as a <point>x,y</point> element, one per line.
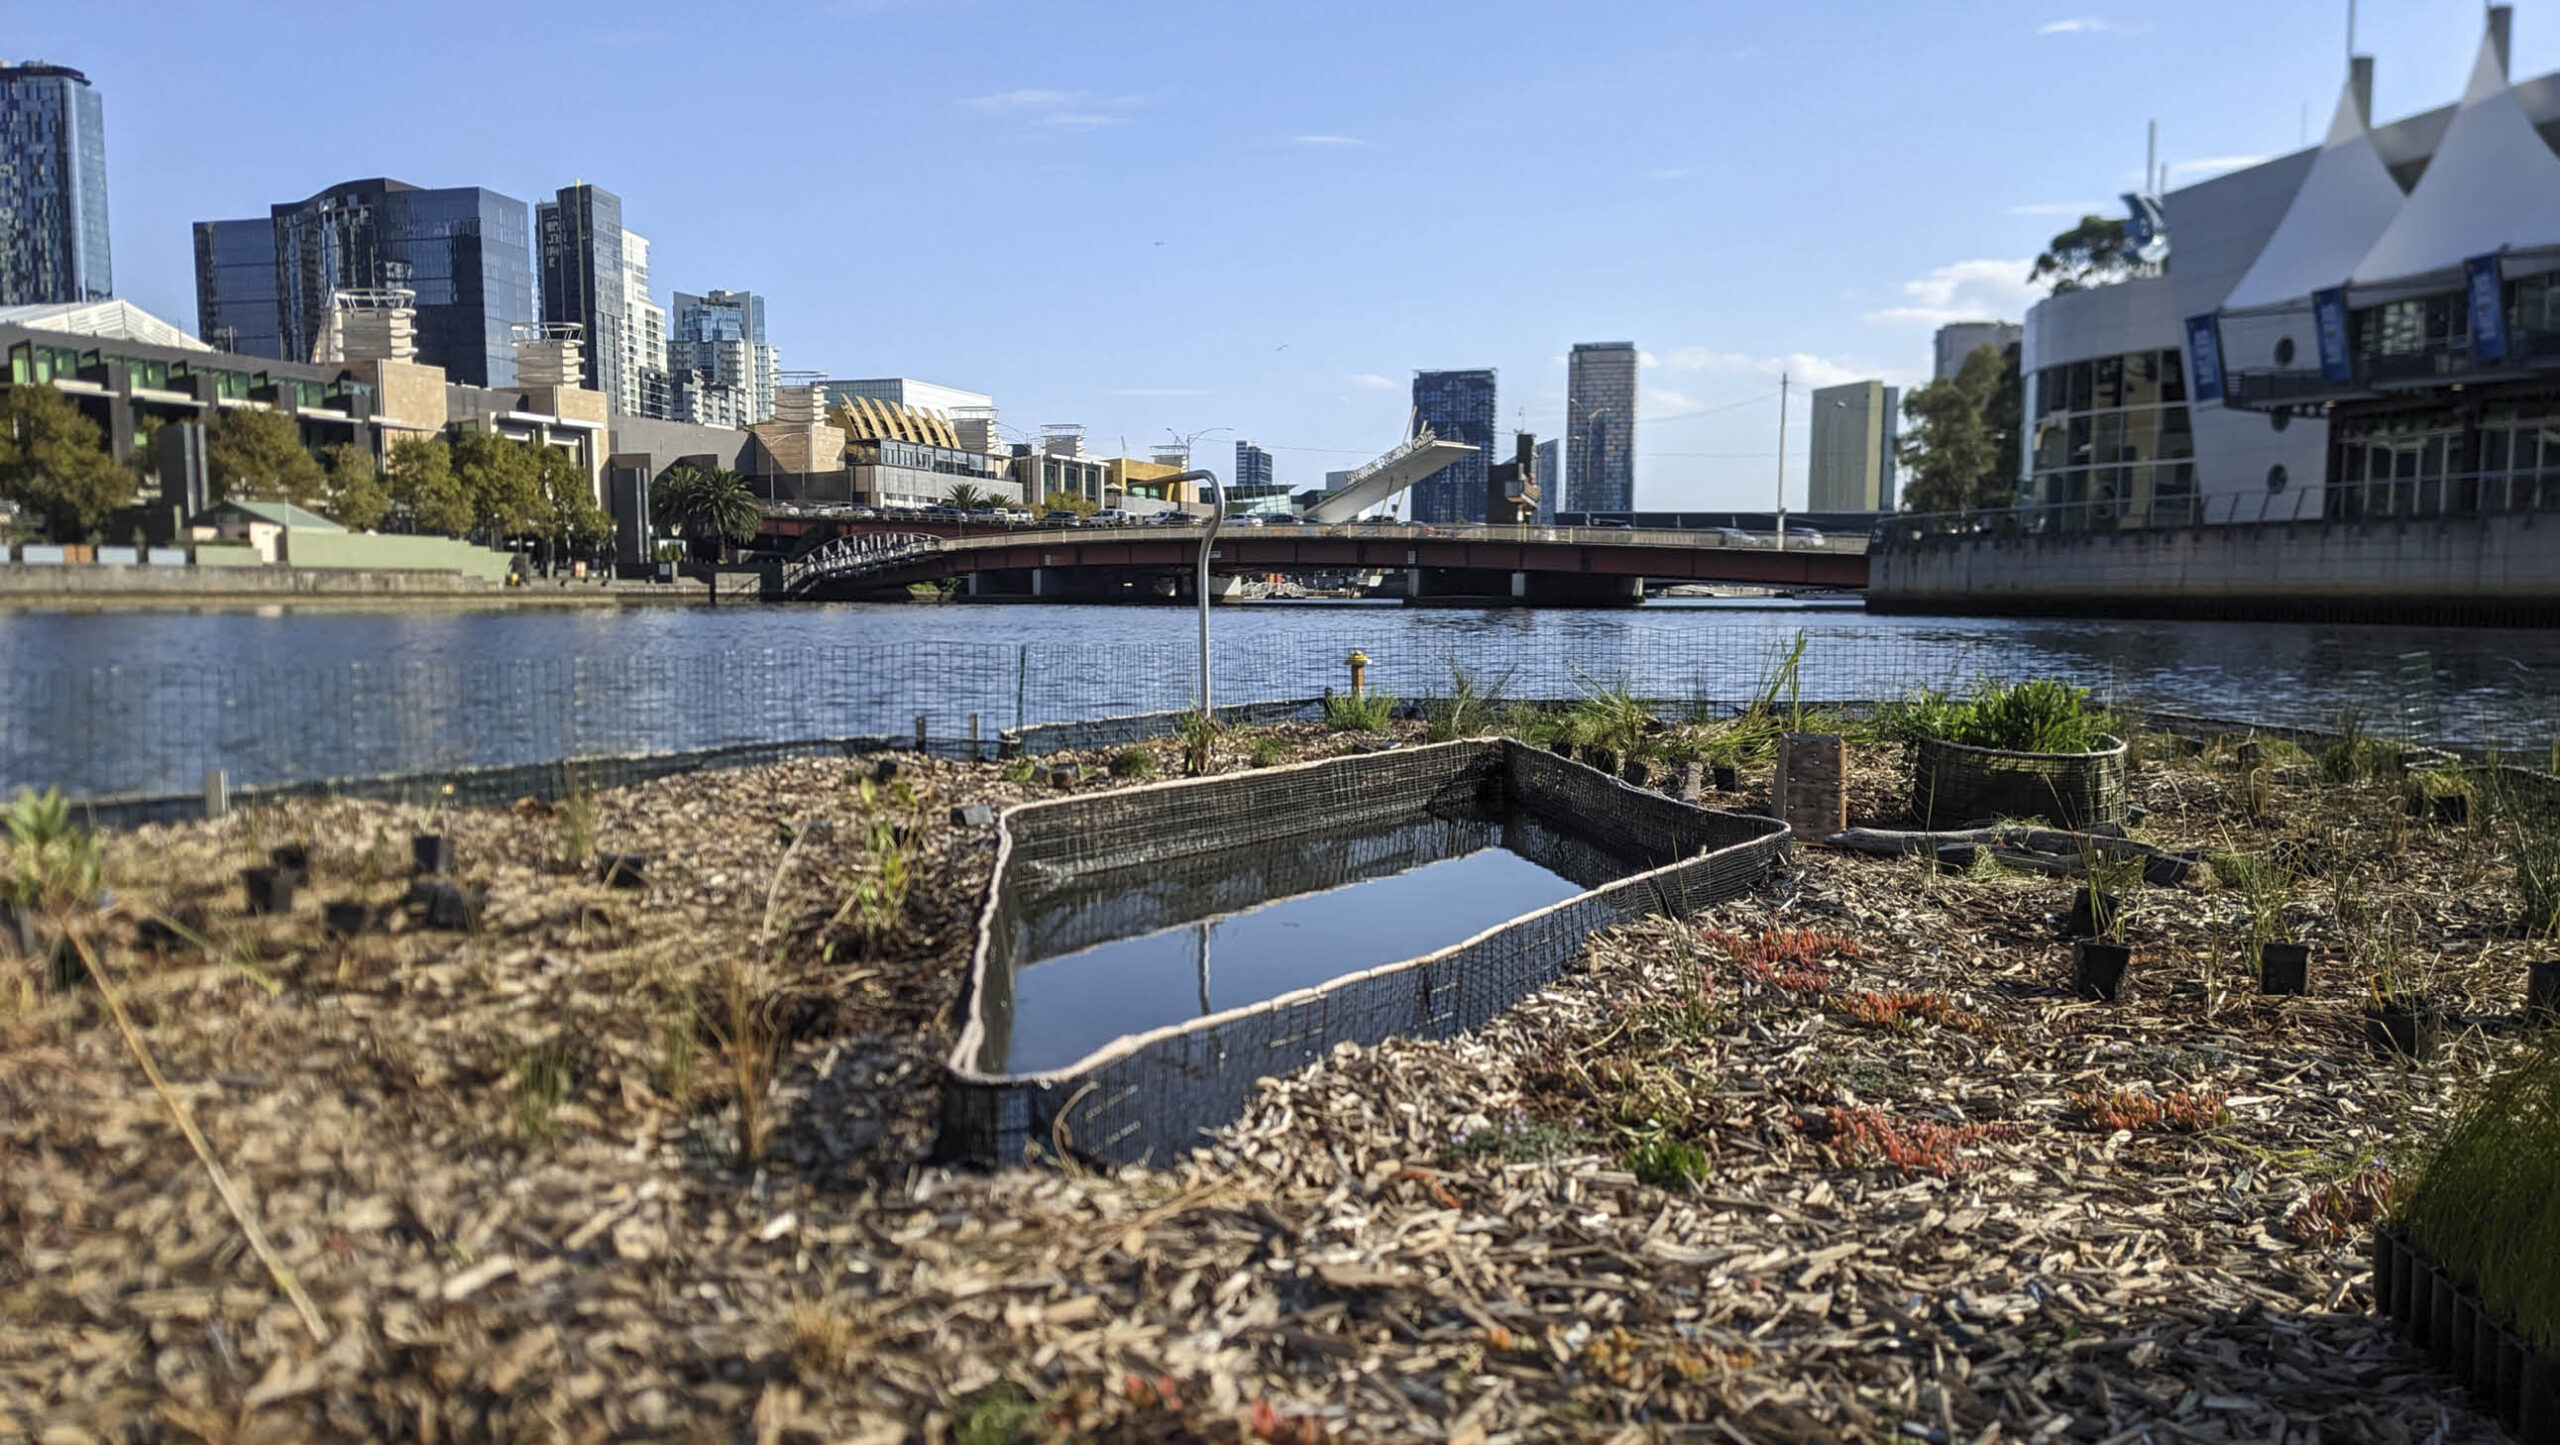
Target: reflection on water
<point>1132,949</point>
<point>136,701</point>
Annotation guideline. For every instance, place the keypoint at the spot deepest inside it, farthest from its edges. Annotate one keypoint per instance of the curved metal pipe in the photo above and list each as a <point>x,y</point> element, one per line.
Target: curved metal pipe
<point>1217,510</point>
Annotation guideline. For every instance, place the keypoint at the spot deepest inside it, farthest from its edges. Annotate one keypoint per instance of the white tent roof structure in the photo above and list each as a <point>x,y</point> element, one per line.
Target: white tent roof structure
<point>2346,202</point>
<point>2487,189</point>
<point>115,320</point>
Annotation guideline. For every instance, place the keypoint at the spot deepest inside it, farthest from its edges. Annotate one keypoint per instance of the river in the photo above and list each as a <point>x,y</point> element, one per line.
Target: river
<point>119,700</point>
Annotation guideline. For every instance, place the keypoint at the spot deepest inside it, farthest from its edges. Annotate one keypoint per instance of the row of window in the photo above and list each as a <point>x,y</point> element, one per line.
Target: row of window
<point>2106,383</point>
<point>31,363</point>
<point>2425,466</point>
<point>2150,434</point>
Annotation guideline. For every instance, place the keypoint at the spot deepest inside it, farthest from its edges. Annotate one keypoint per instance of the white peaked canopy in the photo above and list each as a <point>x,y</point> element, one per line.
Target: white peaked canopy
<point>2491,182</point>
<point>2344,205</point>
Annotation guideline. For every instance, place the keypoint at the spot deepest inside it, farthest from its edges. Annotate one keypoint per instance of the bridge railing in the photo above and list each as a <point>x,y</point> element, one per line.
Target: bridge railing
<point>856,553</point>
<point>1573,536</point>
<point>2159,514</point>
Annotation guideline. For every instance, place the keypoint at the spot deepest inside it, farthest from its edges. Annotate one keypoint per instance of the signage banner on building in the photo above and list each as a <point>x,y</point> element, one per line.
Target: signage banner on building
<point>2329,318</point>
<point>2204,357</point>
<point>2488,308</point>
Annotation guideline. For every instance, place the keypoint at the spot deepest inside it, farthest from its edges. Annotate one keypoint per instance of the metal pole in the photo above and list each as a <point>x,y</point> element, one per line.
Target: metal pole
<point>1217,510</point>
<point>1782,461</point>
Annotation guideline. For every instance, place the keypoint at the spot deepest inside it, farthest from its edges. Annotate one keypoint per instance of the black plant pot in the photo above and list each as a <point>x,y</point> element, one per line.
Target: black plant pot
<point>2097,968</point>
<point>431,854</point>
<point>1561,749</point>
<point>153,935</point>
<point>1602,758</point>
<point>885,771</point>
<point>623,870</point>
<point>2407,1027</point>
<point>1728,778</point>
<point>294,861</point>
<point>2165,870</point>
<point>1636,773</point>
<point>2453,811</point>
<point>347,918</point>
<point>451,907</point>
<point>2542,992</point>
<point>1063,777</point>
<point>270,889</point>
<point>18,929</point>
<point>1959,857</point>
<point>2082,921</point>
<point>2284,968</point>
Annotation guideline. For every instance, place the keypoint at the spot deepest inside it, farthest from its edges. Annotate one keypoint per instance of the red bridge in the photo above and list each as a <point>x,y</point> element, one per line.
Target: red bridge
<point>1554,565</point>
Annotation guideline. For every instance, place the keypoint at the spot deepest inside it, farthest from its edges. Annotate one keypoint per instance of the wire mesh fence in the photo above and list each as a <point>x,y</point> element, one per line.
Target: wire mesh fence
<point>156,731</point>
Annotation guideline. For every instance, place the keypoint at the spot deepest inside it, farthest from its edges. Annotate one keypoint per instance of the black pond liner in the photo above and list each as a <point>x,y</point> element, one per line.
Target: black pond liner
<point>1959,857</point>
<point>2506,1375</point>
<point>1152,1095</point>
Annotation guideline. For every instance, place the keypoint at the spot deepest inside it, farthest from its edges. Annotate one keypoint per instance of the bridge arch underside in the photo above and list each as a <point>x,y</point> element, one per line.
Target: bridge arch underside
<point>1423,569</point>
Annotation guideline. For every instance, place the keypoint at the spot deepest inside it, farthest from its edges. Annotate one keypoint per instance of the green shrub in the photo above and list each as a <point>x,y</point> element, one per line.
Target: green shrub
<point>1614,719</point>
<point>2044,716</point>
<point>1667,1164</point>
<point>2483,1206</point>
<point>1267,750</point>
<point>53,863</point>
<point>1134,763</point>
<point>1366,712</point>
<point>2354,756</point>
<point>1470,710</point>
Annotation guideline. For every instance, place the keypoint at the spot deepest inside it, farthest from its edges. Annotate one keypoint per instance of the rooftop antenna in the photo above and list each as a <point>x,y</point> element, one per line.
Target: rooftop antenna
<point>2151,162</point>
<point>2351,31</point>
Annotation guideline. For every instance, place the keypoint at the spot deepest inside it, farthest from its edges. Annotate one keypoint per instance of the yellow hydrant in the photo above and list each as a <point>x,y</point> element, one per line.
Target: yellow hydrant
<point>1359,670</point>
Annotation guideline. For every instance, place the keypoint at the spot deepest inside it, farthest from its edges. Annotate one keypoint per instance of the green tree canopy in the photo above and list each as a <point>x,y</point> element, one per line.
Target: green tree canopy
<point>2092,253</point>
<point>1960,451</point>
<point>358,499</point>
<point>426,497</point>
<point>707,509</point>
<point>968,497</point>
<point>55,466</point>
<point>570,517</point>
<point>258,456</point>
<point>503,480</point>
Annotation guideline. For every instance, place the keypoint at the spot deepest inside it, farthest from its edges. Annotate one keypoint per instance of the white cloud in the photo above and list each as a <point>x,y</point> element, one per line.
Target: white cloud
<point>1054,109</point>
<point>1668,400</point>
<point>1801,368</point>
<point>1330,140</point>
<point>2211,166</point>
<point>2073,209</point>
<point>1963,291</point>
<point>2079,25</point>
<point>1023,99</point>
<point>1157,391</point>
<point>1373,381</point>
<point>1081,120</point>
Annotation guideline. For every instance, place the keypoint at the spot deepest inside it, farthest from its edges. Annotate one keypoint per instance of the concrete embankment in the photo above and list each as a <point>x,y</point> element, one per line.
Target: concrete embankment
<point>2499,570</point>
<point>89,585</point>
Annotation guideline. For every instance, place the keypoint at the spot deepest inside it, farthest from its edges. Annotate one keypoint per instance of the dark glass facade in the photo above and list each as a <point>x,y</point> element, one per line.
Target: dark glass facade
<point>236,287</point>
<point>2113,442</point>
<point>580,236</point>
<point>1253,467</point>
<point>465,252</point>
<point>1600,426</point>
<point>53,188</point>
<point>1458,406</point>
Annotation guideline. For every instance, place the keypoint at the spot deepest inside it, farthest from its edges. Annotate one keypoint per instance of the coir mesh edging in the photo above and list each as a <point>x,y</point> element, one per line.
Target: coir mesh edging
<point>1150,1096</point>
<point>2507,1376</point>
<point>1955,785</point>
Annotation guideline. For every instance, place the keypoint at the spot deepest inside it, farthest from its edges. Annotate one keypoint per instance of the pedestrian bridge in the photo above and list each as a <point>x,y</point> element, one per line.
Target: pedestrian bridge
<point>1555,565</point>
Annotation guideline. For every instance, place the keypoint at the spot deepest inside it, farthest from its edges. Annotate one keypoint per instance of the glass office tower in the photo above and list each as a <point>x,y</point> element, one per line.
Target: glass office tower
<point>53,187</point>
<point>465,252</point>
<point>1600,427</point>
<point>1458,406</point>
<point>582,284</point>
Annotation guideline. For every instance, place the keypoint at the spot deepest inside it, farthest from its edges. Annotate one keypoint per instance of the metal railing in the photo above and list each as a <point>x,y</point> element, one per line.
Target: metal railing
<point>1574,536</point>
<point>857,553</point>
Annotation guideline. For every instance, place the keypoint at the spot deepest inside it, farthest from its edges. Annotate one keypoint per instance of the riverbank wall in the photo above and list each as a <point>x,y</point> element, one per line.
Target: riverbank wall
<point>2501,570</point>
<point>22,585</point>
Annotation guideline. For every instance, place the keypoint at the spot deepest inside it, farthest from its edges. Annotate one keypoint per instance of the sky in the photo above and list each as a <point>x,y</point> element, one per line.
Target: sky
<point>1164,217</point>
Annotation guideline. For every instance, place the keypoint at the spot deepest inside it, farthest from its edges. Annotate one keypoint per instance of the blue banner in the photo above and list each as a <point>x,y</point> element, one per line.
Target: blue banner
<point>2204,357</point>
<point>2329,319</point>
<point>2488,308</point>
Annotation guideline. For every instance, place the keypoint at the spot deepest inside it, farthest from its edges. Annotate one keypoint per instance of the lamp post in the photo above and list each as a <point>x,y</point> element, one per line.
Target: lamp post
<point>1782,461</point>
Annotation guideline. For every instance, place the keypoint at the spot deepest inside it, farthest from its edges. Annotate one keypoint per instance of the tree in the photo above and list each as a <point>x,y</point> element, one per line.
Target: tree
<point>2092,253</point>
<point>571,520</point>
<point>55,466</point>
<point>969,497</point>
<point>357,498</point>
<point>426,497</point>
<point>708,509</point>
<point>1961,448</point>
<point>258,456</point>
<point>503,480</point>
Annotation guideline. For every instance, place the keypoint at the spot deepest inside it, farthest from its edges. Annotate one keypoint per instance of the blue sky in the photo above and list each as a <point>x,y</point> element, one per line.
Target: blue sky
<point>1147,215</point>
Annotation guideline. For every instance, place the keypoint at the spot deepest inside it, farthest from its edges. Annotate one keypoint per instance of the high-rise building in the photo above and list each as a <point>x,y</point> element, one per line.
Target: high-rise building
<point>53,187</point>
<point>1852,454</point>
<point>464,253</point>
<point>1458,406</point>
<point>1550,478</point>
<point>721,334</point>
<point>645,361</point>
<point>1960,339</point>
<point>585,284</point>
<point>1253,466</point>
<point>1600,426</point>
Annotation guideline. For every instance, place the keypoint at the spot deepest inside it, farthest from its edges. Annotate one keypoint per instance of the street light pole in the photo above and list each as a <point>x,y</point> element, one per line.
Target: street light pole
<point>1782,461</point>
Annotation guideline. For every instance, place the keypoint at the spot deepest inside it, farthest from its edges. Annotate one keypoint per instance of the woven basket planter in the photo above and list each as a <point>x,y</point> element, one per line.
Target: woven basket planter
<point>1954,785</point>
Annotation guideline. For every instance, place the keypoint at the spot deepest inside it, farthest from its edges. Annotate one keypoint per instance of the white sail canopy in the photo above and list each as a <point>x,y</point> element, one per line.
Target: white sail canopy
<point>2489,188</point>
<point>2346,202</point>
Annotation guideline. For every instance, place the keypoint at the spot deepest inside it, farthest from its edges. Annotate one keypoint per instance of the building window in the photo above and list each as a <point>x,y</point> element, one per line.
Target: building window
<point>2112,443</point>
<point>2284,351</point>
<point>2276,478</point>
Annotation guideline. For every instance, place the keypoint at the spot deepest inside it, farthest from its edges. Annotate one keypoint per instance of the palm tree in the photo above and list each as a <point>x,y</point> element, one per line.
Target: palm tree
<point>709,509</point>
<point>968,497</point>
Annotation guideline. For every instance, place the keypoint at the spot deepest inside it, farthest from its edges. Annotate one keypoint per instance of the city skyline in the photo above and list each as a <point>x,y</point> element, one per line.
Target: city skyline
<point>1302,344</point>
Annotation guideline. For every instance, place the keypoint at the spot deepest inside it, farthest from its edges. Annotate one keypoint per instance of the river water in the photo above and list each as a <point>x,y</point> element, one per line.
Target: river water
<point>119,700</point>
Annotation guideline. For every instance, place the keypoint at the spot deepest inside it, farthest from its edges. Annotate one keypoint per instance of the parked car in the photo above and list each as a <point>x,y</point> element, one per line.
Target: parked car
<point>1112,517</point>
<point>1246,519</point>
<point>1061,519</point>
<point>1736,537</point>
<point>864,514</point>
<point>1804,534</point>
<point>1016,517</point>
<point>1170,517</point>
